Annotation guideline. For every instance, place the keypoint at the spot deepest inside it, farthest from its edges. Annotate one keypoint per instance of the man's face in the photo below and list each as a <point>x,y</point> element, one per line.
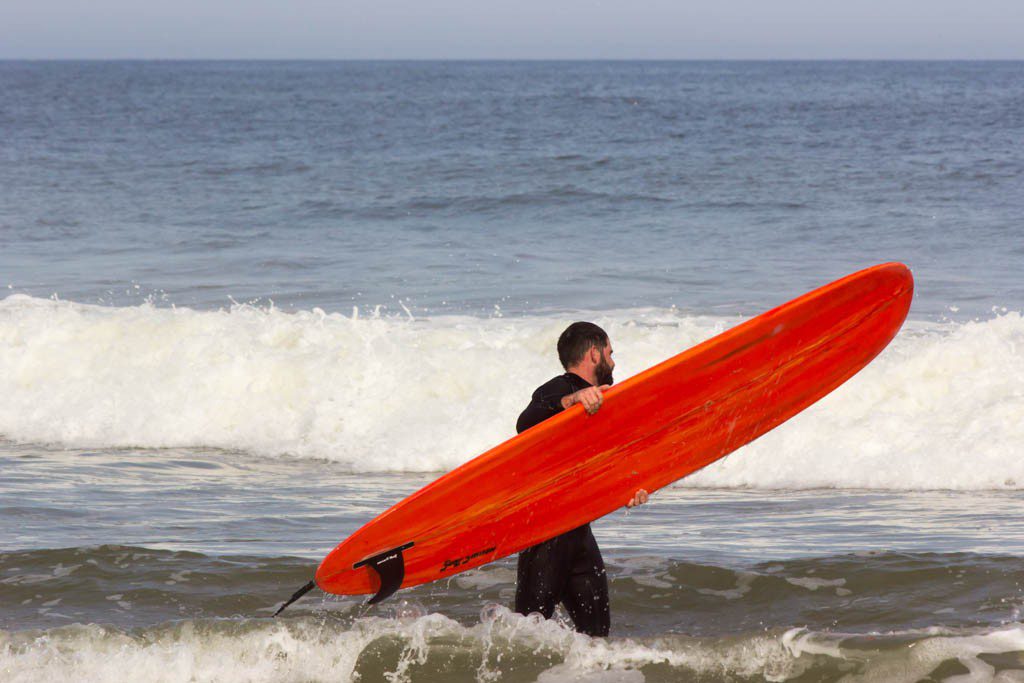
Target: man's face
<point>605,366</point>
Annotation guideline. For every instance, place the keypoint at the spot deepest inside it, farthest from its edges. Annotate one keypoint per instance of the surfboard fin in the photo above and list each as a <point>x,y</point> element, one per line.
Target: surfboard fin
<point>390,568</point>
<point>298,594</point>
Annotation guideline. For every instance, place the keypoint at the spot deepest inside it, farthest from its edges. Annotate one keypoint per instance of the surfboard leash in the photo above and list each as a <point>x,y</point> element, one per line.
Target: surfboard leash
<point>298,594</point>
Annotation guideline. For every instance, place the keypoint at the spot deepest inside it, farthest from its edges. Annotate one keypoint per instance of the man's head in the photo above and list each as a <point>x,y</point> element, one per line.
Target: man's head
<point>586,347</point>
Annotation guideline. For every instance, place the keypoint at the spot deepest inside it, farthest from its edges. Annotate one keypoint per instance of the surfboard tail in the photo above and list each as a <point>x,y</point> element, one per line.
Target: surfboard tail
<point>390,568</point>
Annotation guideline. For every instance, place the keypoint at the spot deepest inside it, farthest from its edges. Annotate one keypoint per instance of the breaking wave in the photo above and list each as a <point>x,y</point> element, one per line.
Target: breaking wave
<point>503,647</point>
<point>941,408</point>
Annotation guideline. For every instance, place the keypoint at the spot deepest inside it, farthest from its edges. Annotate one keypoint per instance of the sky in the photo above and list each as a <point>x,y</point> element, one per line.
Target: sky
<point>524,29</point>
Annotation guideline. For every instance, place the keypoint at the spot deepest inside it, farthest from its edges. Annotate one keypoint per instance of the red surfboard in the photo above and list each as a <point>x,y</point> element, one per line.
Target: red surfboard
<point>654,428</point>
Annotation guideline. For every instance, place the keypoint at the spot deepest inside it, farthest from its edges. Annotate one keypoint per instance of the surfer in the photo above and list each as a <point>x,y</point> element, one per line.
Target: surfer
<point>569,568</point>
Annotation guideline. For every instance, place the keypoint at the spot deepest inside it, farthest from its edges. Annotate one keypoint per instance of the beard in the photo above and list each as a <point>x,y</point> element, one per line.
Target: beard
<point>604,373</point>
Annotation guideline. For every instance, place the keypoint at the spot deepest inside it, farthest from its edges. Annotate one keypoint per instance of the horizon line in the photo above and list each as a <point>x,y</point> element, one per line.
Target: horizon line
<point>511,59</point>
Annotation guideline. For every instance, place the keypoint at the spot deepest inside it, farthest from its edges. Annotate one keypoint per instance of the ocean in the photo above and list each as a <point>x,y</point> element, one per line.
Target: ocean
<point>247,306</point>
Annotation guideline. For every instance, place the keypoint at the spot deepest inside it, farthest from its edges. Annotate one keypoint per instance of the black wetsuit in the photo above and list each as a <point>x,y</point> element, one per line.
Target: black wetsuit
<point>566,568</point>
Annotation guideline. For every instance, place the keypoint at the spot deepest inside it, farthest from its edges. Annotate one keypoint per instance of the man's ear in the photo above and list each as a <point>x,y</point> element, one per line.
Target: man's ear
<point>595,355</point>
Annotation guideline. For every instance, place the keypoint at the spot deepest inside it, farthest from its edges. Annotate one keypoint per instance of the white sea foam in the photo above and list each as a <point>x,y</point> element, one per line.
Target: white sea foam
<point>311,650</point>
<point>943,407</point>
<point>927,650</point>
<point>812,583</point>
<point>399,650</point>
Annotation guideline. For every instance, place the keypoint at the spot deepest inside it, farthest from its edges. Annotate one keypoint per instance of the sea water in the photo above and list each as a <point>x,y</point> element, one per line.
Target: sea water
<point>250,305</point>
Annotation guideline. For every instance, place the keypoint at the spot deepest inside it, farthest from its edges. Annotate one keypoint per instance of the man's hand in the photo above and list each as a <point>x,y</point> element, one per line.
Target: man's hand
<point>590,397</point>
<point>639,498</point>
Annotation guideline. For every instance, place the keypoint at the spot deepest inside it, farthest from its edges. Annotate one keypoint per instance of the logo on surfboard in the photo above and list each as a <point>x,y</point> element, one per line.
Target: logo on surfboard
<point>459,561</point>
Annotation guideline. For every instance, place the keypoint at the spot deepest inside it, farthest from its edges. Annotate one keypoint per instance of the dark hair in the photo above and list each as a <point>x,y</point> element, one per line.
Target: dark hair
<point>577,339</point>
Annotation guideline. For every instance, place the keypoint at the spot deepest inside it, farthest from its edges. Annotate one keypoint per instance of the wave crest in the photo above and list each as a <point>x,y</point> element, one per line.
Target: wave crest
<point>941,408</point>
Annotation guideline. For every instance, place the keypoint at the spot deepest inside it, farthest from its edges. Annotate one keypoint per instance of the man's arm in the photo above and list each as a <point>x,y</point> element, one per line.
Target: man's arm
<point>535,413</point>
<point>544,403</point>
<point>591,398</point>
<point>553,398</point>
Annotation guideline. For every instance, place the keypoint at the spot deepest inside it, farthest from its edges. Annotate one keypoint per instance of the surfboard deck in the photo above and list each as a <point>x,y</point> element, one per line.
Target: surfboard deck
<point>653,429</point>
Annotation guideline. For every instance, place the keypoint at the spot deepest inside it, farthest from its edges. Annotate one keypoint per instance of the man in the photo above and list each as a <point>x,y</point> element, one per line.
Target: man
<point>569,568</point>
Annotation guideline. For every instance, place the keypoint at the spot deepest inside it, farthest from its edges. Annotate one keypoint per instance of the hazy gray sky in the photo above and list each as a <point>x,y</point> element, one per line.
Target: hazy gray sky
<point>460,29</point>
